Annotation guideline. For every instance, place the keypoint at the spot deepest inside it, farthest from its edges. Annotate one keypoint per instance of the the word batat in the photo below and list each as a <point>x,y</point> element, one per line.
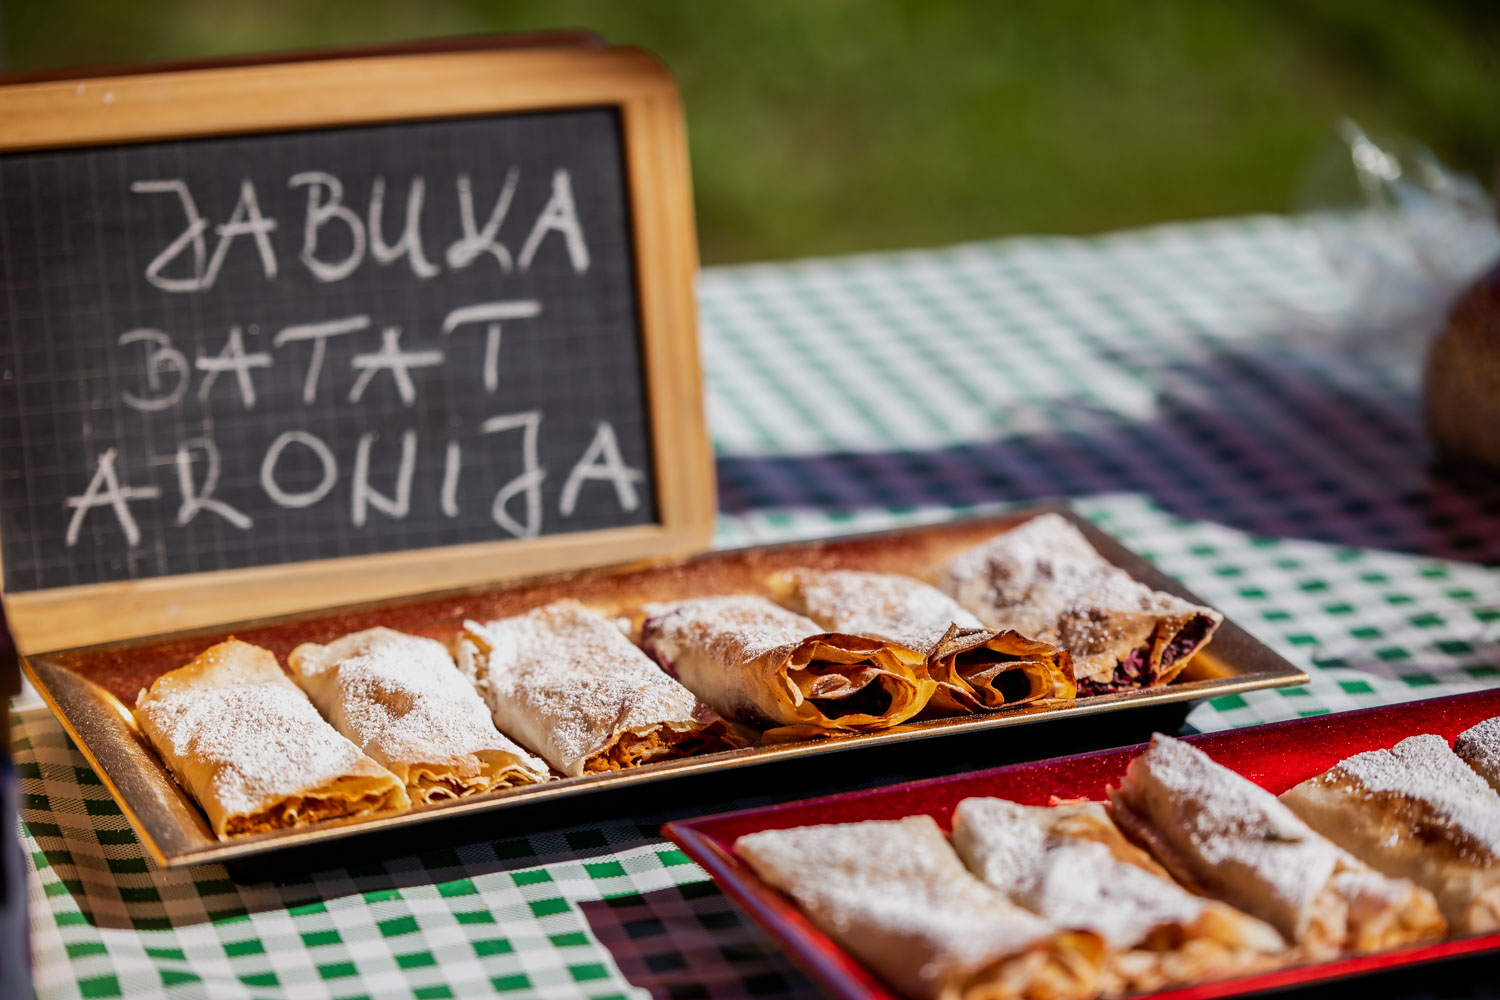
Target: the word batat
<point>169,373</point>
<point>327,212</point>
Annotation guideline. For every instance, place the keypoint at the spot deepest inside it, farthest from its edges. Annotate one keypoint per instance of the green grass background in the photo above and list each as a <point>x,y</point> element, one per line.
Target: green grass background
<point>827,126</point>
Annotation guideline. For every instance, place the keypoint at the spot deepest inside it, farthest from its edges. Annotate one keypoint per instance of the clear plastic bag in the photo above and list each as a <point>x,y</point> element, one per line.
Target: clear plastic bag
<point>1403,233</point>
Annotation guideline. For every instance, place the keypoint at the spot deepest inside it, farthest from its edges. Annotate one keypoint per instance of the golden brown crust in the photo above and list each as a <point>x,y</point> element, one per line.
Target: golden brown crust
<point>1073,867</point>
<point>1220,834</point>
<point>301,810</point>
<point>1065,967</point>
<point>978,670</point>
<point>401,699</point>
<point>1414,811</point>
<point>897,897</point>
<point>252,750</point>
<point>761,665</point>
<point>569,684</point>
<point>1044,579</point>
<point>661,743</point>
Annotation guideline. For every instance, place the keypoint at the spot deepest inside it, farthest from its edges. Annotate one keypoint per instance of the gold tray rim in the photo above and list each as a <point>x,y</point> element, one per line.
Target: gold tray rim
<point>74,699</point>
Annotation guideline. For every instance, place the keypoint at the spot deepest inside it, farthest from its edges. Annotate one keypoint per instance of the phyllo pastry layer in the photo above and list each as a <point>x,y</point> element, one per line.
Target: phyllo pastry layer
<point>402,700</point>
<point>1044,580</point>
<point>1071,865</point>
<point>252,750</point>
<point>1224,836</point>
<point>1415,811</point>
<point>975,668</point>
<point>897,897</point>
<point>568,683</point>
<point>1479,747</point>
<point>759,664</point>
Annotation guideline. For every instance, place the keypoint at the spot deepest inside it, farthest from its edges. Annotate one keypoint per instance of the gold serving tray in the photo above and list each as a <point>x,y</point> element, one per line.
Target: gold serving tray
<point>89,688</point>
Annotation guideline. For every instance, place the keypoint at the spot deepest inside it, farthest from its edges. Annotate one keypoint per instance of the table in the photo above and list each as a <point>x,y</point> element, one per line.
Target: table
<point>1193,388</point>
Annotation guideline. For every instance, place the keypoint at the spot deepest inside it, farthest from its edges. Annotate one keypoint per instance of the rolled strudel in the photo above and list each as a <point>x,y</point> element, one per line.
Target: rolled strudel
<point>1479,747</point>
<point>252,750</point>
<point>896,896</point>
<point>1072,866</point>
<point>1044,580</point>
<point>401,700</point>
<point>975,668</point>
<point>759,664</point>
<point>569,684</point>
<point>1415,811</point>
<point>1222,835</point>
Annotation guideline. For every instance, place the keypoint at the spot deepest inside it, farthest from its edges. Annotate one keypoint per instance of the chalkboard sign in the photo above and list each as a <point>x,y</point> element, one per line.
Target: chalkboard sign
<point>384,351</point>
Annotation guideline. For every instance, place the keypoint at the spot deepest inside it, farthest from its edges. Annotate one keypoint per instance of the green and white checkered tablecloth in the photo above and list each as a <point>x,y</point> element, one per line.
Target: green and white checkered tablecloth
<point>1193,388</point>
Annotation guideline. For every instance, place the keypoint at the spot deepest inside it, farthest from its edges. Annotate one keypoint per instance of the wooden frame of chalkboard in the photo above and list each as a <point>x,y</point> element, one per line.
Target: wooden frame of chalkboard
<point>340,92</point>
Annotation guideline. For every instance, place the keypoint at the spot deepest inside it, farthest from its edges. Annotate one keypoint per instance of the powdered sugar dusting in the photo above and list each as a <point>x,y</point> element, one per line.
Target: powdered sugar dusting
<point>401,698</point>
<point>1422,773</point>
<point>255,735</point>
<point>263,742</point>
<point>568,683</point>
<point>896,895</point>
<point>1080,884</point>
<point>1479,747</point>
<point>1029,572</point>
<point>1030,577</point>
<point>1232,824</point>
<point>1043,579</point>
<point>743,626</point>
<point>1070,881</point>
<point>759,664</point>
<point>886,606</point>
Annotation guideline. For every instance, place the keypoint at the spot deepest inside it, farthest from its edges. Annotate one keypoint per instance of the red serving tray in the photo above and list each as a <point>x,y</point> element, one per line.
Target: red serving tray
<point>1275,756</point>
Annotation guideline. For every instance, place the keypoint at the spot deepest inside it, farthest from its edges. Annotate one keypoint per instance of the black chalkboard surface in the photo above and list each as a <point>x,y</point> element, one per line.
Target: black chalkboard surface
<point>228,352</point>
<point>275,337</point>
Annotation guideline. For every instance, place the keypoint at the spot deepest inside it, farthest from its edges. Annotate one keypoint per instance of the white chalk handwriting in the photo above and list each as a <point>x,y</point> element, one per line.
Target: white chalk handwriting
<point>328,220</point>
<point>338,231</point>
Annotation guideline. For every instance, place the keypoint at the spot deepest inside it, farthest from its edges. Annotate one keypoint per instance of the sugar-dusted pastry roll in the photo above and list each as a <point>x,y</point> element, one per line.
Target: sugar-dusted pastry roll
<point>252,750</point>
<point>568,683</point>
<point>400,699</point>
<point>1224,836</point>
<point>1044,580</point>
<point>1071,865</point>
<point>896,896</point>
<point>1415,811</point>
<point>759,664</point>
<point>975,668</point>
<point>1479,747</point>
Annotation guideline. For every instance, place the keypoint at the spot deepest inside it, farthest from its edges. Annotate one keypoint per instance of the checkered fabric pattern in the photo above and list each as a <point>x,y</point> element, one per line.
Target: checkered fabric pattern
<point>1196,390</point>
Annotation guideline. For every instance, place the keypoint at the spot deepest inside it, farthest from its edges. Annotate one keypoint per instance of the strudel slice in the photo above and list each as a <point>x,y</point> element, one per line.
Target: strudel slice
<point>1224,836</point>
<point>976,668</point>
<point>568,683</point>
<point>1072,866</point>
<point>1415,811</point>
<point>759,664</point>
<point>895,895</point>
<point>400,698</point>
<point>1044,580</point>
<point>252,750</point>
<point>1479,747</point>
